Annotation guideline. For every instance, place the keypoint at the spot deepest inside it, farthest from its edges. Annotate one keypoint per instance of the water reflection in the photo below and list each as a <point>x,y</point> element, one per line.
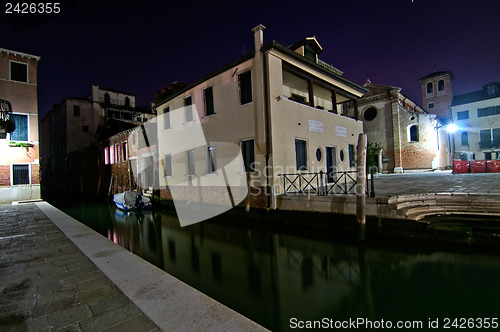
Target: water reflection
<point>272,276</point>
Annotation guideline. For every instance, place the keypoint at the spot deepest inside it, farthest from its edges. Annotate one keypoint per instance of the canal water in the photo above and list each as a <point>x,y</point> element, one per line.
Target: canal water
<point>281,277</point>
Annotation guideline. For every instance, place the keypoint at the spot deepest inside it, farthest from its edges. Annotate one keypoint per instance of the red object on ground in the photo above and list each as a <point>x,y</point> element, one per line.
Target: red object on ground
<point>493,166</point>
<point>478,166</point>
<point>460,166</point>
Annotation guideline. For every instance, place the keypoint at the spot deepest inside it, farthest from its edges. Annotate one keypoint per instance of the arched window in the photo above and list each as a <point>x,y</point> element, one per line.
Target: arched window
<point>414,133</point>
<point>107,99</point>
<point>430,88</point>
<point>440,85</point>
<point>464,138</point>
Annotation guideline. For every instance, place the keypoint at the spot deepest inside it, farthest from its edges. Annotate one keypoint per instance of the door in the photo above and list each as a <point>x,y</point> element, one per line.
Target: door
<point>331,164</point>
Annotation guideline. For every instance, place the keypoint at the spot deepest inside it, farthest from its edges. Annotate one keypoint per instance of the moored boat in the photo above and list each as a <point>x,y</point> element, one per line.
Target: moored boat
<point>131,201</point>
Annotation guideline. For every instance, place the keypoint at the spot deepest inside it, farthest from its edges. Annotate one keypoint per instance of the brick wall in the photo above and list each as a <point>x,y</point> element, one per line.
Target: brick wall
<point>35,174</point>
<point>5,175</point>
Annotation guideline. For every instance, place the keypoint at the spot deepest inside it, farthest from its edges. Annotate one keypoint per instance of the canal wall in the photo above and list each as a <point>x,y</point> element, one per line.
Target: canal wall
<point>407,207</point>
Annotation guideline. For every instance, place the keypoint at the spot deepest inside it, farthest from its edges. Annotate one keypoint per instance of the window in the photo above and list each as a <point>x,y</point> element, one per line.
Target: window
<point>21,132</point>
<point>464,139</point>
<point>166,118</point>
<point>190,162</point>
<point>342,155</point>
<point>370,114</point>
<point>124,151</point>
<point>85,129</point>
<point>441,87</point>
<point>111,155</point>
<point>352,160</point>
<point>430,88</point>
<point>431,106</point>
<point>485,138</point>
<point>487,155</point>
<point>496,136</point>
<point>301,154</point>
<point>248,152</point>
<point>20,174</point>
<point>117,152</point>
<point>208,97</point>
<point>211,159</point>
<point>414,133</point>
<point>487,111</point>
<point>106,156</point>
<point>127,102</point>
<point>168,165</point>
<point>76,110</point>
<point>462,115</point>
<point>319,155</point>
<point>245,87</point>
<point>18,71</point>
<point>107,99</point>
<point>188,104</point>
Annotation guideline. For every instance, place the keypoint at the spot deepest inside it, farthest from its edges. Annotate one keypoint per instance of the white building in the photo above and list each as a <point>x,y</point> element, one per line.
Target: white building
<point>280,106</point>
<point>477,119</point>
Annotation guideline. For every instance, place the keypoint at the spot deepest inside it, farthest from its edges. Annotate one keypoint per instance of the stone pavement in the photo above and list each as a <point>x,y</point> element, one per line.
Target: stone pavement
<point>436,182</point>
<point>48,284</point>
<point>56,274</point>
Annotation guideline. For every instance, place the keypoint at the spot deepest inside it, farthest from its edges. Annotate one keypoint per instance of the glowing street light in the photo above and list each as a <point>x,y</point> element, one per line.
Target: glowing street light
<point>451,128</point>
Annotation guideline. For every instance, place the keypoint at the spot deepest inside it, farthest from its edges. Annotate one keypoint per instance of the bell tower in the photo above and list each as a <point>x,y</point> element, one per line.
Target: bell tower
<point>437,93</point>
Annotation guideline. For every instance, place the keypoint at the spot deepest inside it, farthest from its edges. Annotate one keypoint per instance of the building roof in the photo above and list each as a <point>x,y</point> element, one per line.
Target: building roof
<point>36,57</point>
<point>474,96</point>
<point>380,89</point>
<point>310,41</point>
<point>437,74</point>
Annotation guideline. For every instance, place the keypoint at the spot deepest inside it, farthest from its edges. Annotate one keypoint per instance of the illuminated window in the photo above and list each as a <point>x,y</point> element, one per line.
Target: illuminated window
<point>106,156</point>
<point>124,151</point>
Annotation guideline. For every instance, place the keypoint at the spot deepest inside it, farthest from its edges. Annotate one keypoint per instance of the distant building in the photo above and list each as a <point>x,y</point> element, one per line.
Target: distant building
<point>282,107</point>
<point>81,123</point>
<point>477,119</point>
<point>19,150</point>
<point>405,132</point>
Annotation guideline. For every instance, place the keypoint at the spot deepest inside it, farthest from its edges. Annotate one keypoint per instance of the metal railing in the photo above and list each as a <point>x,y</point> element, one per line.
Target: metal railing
<point>317,183</point>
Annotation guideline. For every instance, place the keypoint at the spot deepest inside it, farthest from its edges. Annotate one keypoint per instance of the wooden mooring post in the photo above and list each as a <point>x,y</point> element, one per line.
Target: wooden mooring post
<point>361,186</point>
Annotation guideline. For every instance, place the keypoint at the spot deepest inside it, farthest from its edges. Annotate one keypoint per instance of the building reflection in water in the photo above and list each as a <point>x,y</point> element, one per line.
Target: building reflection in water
<point>272,277</point>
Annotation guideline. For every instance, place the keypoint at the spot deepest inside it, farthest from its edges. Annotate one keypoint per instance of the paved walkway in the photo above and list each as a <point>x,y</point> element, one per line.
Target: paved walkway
<point>57,274</point>
<point>48,284</point>
<point>436,182</point>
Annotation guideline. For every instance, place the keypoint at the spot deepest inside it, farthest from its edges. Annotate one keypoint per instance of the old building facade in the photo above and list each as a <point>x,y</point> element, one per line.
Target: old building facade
<point>279,107</point>
<point>404,131</point>
<point>19,150</point>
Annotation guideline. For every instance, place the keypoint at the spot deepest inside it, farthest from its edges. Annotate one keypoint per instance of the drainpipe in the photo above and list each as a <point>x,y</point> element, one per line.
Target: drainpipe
<point>262,102</point>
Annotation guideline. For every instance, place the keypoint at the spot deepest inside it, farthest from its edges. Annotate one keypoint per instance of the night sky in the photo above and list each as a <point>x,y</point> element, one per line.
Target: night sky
<point>141,46</point>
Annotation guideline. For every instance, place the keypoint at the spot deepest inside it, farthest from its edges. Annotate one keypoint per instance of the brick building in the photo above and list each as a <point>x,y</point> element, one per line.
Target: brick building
<point>19,150</point>
<point>405,132</point>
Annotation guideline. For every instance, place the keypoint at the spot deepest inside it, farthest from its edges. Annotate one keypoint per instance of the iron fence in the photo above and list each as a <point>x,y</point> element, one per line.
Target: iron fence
<point>317,183</point>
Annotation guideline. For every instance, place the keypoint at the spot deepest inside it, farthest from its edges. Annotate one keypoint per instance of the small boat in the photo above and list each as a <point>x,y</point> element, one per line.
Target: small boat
<point>131,201</point>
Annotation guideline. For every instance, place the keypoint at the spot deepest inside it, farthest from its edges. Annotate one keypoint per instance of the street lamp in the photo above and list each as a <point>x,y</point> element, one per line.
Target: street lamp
<point>451,128</point>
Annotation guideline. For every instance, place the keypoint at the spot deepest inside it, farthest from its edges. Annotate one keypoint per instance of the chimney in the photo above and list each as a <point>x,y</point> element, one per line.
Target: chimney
<point>258,37</point>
